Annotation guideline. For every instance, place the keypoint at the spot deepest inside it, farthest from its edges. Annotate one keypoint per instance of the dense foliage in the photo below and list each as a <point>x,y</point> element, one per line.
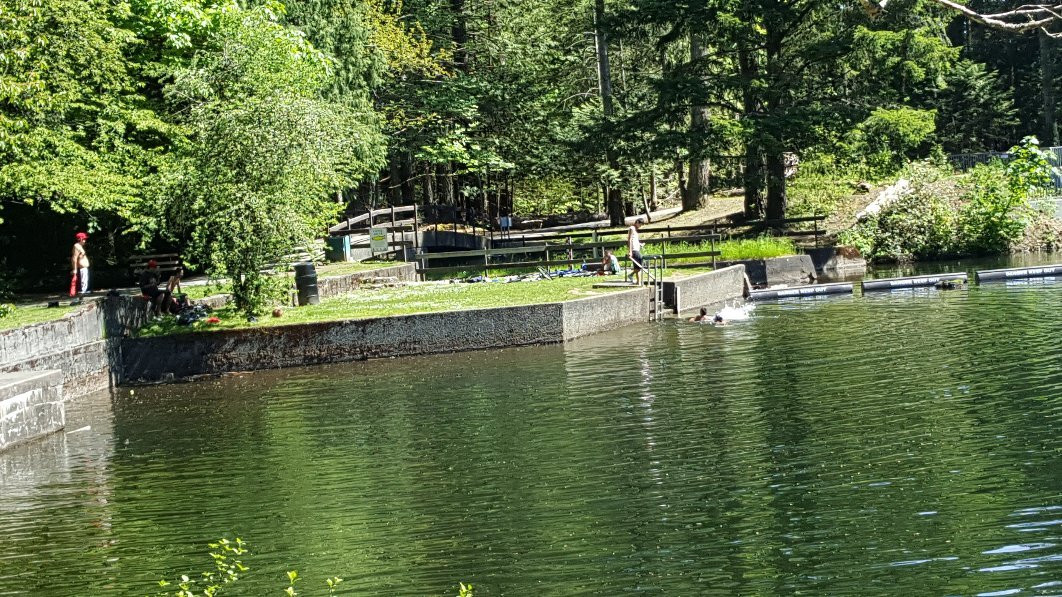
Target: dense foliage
<point>264,154</point>
<point>232,130</point>
<point>985,212</point>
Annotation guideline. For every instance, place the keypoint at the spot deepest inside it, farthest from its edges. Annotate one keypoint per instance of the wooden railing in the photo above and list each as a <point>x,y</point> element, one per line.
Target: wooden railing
<point>547,246</point>
<point>563,254</point>
<point>387,217</point>
<point>773,227</point>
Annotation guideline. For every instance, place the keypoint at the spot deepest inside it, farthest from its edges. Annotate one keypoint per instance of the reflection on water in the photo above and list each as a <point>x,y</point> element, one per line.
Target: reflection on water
<point>968,264</point>
<point>895,443</point>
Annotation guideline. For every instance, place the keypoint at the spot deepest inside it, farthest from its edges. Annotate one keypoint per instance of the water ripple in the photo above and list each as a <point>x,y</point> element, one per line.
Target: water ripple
<point>897,442</point>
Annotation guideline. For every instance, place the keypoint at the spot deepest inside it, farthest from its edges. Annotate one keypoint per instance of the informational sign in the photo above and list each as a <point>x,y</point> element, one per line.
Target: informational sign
<point>378,240</point>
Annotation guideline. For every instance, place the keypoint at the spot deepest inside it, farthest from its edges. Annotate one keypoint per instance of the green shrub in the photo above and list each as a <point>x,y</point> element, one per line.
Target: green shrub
<point>6,310</point>
<point>983,212</point>
<point>996,212</point>
<point>890,137</point>
<point>990,220</point>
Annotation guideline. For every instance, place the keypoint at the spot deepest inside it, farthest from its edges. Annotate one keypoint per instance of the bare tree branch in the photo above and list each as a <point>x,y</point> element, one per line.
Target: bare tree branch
<point>1023,19</point>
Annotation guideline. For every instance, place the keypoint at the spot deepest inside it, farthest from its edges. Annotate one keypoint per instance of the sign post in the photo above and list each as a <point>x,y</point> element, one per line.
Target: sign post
<point>378,240</point>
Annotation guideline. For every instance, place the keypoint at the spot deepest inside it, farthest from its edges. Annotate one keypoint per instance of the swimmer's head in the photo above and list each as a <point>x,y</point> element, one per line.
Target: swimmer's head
<point>704,312</point>
<point>718,319</point>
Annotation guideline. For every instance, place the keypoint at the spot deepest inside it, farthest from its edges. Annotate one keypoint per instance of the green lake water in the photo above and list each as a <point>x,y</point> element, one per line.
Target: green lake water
<point>904,443</point>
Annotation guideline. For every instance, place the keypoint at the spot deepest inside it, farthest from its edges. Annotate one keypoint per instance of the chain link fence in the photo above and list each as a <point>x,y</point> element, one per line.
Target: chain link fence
<point>966,161</point>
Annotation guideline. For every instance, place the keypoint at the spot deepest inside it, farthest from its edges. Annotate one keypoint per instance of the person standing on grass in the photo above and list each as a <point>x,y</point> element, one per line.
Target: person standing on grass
<point>634,250</point>
<point>79,264</point>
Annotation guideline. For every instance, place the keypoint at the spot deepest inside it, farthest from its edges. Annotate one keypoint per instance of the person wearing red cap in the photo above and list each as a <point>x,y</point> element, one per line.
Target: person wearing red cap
<point>79,264</point>
<point>149,285</point>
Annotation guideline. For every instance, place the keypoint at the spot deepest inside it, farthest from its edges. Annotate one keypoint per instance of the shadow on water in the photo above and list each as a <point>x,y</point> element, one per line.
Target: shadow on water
<point>897,442</point>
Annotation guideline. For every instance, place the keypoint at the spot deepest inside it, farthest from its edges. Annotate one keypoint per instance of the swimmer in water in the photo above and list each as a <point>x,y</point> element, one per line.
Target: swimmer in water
<point>718,320</point>
<point>703,317</point>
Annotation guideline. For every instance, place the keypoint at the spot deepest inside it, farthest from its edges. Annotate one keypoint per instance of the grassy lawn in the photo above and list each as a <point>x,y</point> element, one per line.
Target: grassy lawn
<point>407,300</point>
<point>31,314</point>
<point>199,291</point>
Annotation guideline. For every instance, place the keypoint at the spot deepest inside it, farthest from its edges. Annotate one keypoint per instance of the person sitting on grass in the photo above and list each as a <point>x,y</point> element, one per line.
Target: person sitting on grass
<point>609,264</point>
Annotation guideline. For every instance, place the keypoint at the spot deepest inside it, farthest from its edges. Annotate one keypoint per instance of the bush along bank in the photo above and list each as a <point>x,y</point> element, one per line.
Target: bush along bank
<point>985,211</point>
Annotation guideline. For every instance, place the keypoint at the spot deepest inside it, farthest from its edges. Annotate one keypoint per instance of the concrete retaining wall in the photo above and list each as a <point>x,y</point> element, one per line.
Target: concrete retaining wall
<point>792,269</point>
<point>85,346</point>
<point>32,341</point>
<point>696,291</point>
<point>73,344</point>
<point>31,405</point>
<point>81,345</point>
<point>329,286</point>
<point>605,312</point>
<point>147,360</point>
<point>170,358</point>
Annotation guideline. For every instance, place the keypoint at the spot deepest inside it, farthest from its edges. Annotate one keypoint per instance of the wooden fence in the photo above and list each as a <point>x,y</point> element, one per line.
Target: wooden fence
<point>543,249</point>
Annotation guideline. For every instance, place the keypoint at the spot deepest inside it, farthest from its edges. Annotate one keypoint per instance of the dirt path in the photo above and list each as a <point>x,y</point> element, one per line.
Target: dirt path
<point>716,208</point>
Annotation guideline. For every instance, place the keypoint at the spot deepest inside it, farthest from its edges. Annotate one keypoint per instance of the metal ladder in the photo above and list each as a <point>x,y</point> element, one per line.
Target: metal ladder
<point>654,271</point>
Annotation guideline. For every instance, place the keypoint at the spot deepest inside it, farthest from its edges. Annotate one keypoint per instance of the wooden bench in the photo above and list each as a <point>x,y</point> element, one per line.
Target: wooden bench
<point>169,264</point>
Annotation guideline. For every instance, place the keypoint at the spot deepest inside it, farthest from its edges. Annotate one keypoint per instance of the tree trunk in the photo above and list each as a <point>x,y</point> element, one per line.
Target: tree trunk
<point>364,194</point>
<point>645,205</point>
<point>1049,136</point>
<point>394,181</point>
<point>406,172</point>
<point>429,185</point>
<point>459,34</point>
<point>445,184</point>
<point>680,173</point>
<point>750,100</point>
<point>774,135</point>
<point>776,193</point>
<point>653,192</point>
<point>604,78</point>
<point>604,74</point>
<point>753,180</point>
<point>700,170</point>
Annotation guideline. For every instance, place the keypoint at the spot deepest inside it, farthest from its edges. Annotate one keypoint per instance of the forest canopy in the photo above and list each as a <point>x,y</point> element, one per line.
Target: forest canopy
<point>183,121</point>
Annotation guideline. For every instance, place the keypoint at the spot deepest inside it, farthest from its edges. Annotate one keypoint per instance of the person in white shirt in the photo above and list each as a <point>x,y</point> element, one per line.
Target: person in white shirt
<point>634,250</point>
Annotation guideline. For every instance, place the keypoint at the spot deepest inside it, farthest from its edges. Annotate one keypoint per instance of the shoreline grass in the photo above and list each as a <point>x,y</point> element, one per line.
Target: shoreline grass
<point>443,296</point>
<point>402,300</point>
<point>34,314</point>
<point>762,247</point>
